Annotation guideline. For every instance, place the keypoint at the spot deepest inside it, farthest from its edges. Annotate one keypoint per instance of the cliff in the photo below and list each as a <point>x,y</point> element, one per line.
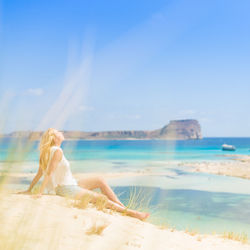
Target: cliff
<point>175,130</point>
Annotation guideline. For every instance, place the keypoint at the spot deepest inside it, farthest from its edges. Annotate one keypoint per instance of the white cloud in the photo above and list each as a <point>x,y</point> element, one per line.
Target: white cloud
<point>35,92</point>
<point>6,98</point>
<point>124,116</point>
<point>85,108</point>
<point>112,116</point>
<point>135,117</point>
<point>205,119</point>
<point>158,16</point>
<point>187,112</point>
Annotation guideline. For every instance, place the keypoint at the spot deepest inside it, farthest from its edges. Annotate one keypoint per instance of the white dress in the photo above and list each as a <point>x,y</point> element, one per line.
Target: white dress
<point>62,174</point>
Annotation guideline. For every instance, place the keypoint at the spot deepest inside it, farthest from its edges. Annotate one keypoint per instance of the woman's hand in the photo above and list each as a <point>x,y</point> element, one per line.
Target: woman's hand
<point>35,196</point>
<point>25,192</point>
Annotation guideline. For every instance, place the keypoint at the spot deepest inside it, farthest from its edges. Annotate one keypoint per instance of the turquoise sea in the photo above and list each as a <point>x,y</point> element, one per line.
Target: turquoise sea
<point>196,201</point>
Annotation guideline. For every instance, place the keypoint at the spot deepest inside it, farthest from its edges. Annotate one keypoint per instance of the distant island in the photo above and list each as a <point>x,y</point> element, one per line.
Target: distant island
<point>175,130</point>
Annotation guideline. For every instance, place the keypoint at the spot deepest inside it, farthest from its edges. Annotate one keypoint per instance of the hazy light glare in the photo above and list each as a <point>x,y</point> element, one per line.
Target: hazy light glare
<point>71,97</point>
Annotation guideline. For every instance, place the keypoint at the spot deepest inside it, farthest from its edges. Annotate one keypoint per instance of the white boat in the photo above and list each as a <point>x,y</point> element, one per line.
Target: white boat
<point>228,147</point>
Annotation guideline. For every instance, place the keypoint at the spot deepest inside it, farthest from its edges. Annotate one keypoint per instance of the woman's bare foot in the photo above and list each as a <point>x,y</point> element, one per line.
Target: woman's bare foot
<point>120,204</point>
<point>142,215</point>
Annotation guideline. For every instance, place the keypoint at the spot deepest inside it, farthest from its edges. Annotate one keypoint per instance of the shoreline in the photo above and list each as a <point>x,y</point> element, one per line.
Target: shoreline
<point>234,165</point>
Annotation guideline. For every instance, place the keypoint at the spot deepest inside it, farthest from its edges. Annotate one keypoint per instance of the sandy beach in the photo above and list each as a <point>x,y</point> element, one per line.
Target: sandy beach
<point>237,166</point>
<point>53,222</point>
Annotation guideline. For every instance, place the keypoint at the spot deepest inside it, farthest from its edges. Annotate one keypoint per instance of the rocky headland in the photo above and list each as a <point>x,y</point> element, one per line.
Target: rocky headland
<point>175,130</point>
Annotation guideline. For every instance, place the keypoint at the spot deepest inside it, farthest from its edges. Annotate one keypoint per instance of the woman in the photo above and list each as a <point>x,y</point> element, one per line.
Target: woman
<point>58,177</point>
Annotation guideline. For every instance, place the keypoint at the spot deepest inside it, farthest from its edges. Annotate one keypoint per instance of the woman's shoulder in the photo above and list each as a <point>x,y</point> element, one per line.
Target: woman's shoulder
<point>54,148</point>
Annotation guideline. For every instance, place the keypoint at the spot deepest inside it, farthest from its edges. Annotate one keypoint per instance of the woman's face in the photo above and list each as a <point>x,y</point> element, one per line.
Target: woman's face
<point>59,136</point>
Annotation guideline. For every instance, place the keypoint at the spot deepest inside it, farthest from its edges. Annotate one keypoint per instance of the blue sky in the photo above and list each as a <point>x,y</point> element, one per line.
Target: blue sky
<point>118,65</point>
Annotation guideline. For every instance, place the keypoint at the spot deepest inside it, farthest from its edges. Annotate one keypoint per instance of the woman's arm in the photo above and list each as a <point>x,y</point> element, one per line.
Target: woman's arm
<point>34,181</point>
<point>52,166</point>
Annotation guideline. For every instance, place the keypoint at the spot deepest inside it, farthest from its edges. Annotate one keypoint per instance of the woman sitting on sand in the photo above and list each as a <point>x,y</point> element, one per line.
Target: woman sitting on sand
<point>57,176</point>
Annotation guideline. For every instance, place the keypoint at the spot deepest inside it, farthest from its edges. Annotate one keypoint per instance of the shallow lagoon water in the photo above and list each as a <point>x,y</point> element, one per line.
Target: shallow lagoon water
<point>201,211</point>
<point>197,201</point>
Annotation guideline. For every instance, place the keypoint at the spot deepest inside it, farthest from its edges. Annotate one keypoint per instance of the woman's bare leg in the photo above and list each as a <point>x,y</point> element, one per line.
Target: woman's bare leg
<point>91,183</point>
<point>112,205</point>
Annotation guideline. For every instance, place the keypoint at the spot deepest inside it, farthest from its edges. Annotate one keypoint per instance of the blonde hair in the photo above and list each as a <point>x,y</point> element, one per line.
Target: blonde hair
<point>46,142</point>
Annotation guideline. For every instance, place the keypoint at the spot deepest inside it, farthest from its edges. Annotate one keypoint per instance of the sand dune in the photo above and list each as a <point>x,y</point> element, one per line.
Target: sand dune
<point>52,222</point>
